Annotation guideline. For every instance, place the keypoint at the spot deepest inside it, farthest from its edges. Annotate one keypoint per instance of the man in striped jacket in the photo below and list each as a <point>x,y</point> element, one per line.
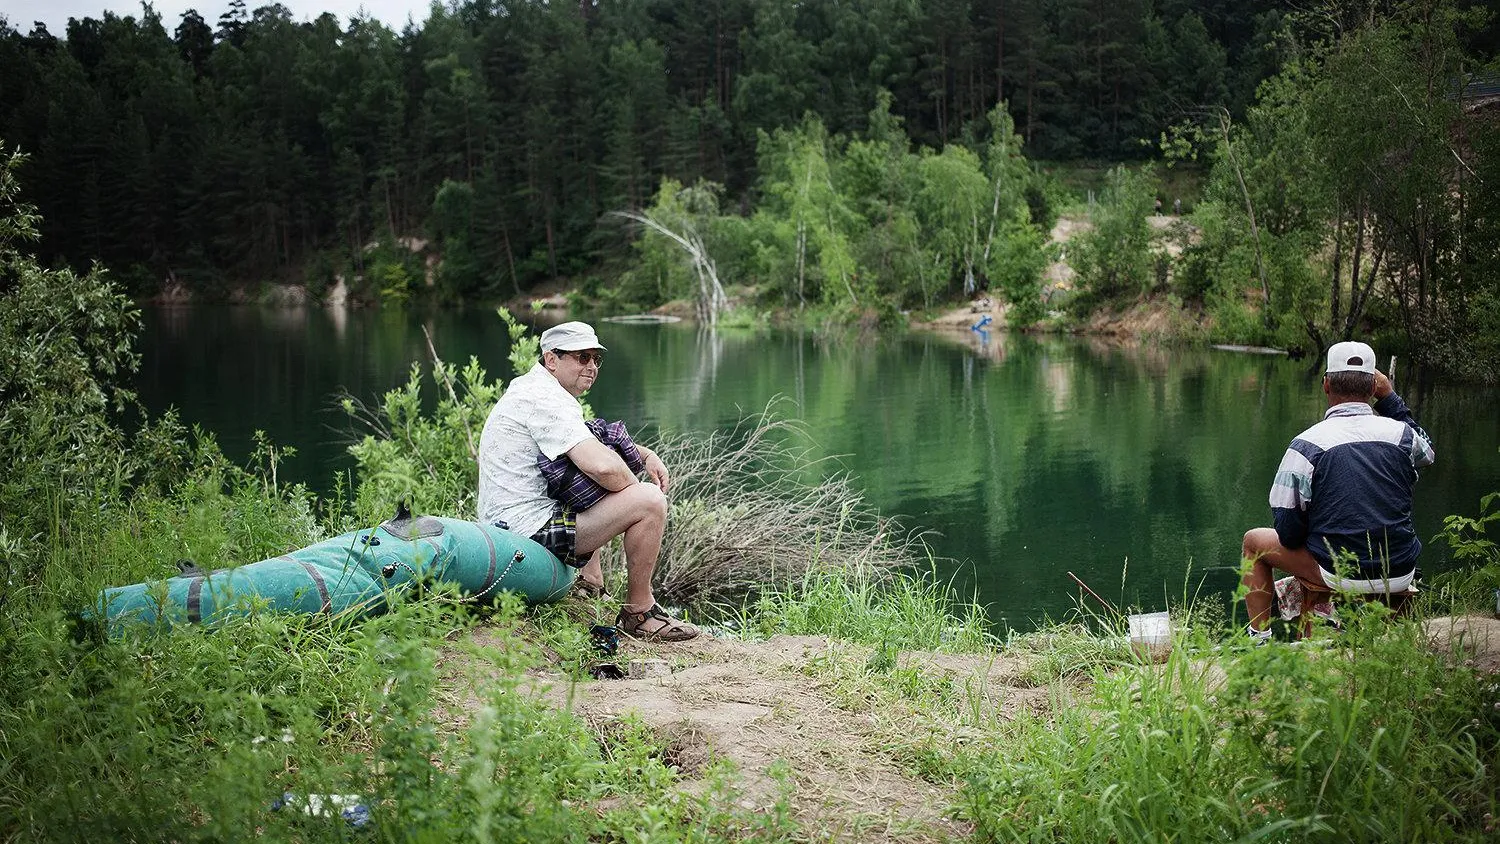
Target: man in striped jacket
<point>1341,500</point>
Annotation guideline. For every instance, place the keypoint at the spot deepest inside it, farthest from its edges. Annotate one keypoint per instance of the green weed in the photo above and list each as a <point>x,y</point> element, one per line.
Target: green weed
<point>1372,740</point>
<point>901,611</point>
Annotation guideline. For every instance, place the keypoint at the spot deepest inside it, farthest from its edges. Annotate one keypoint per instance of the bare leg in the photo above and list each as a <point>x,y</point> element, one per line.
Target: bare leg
<point>638,511</point>
<point>1263,547</point>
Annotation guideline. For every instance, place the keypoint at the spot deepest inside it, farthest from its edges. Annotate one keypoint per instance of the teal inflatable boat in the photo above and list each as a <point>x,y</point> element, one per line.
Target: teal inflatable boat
<point>350,575</point>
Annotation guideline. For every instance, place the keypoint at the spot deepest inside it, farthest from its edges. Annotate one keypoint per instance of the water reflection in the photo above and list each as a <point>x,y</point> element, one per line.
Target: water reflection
<point>172,320</point>
<point>338,320</point>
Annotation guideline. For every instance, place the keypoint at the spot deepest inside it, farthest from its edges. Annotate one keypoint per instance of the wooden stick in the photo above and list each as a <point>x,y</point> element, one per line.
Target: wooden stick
<point>1093,594</point>
<point>437,364</point>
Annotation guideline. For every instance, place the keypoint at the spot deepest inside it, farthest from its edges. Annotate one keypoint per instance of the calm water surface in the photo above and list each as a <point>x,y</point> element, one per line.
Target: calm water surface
<point>1135,468</point>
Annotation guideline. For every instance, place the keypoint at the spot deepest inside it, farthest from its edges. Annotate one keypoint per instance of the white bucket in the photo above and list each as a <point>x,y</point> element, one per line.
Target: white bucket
<point>1151,635</point>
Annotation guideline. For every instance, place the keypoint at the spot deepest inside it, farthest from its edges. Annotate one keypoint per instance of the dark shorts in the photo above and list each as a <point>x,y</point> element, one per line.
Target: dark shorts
<point>560,536</point>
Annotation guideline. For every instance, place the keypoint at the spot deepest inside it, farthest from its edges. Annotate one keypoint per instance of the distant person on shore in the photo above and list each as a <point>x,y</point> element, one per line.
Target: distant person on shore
<point>1158,205</point>
<point>539,414</point>
<point>1177,206</point>
<point>1341,500</point>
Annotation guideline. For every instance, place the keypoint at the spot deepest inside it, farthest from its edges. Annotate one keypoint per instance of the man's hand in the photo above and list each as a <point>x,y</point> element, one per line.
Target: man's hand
<point>1382,385</point>
<point>655,467</point>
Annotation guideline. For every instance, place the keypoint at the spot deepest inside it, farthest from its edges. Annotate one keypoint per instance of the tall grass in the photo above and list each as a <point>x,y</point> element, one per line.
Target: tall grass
<point>904,611</point>
<point>1368,736</point>
<point>192,733</point>
<point>752,506</point>
<point>1377,739</point>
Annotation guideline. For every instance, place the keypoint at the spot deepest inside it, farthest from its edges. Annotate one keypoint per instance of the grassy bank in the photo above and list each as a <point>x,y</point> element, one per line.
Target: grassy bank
<point>437,718</point>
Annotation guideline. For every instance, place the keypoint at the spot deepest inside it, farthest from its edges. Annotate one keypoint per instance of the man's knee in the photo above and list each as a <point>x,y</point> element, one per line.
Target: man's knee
<point>1260,541</point>
<point>652,501</point>
<point>643,503</point>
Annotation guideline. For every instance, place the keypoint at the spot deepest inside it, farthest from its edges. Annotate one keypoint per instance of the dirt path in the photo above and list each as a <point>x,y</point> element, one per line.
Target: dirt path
<point>1478,637</point>
<point>779,705</point>
<point>799,719</point>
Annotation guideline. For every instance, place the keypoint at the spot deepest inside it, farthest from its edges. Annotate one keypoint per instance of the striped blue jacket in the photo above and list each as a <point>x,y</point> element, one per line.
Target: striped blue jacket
<point>1345,485</point>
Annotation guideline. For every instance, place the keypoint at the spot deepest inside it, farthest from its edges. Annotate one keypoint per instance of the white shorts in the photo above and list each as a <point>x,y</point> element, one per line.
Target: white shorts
<point>1366,587</point>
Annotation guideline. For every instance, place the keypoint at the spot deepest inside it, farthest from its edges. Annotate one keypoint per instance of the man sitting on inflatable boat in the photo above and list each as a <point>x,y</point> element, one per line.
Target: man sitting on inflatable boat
<point>539,414</point>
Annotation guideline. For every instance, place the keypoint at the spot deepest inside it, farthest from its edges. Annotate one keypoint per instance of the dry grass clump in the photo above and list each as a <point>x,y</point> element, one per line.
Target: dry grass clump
<point>754,506</point>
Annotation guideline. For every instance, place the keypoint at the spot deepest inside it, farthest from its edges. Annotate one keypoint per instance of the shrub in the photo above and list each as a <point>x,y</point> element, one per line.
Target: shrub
<point>1020,256</point>
<point>66,355</point>
<point>425,459</point>
<point>1114,259</point>
<point>1472,586</point>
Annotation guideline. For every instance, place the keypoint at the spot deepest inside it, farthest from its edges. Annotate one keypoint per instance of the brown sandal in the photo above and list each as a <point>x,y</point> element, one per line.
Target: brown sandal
<point>588,589</point>
<point>671,629</point>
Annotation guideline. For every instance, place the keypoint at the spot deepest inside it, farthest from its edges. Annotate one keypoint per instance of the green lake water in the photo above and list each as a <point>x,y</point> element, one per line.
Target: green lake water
<point>1025,457</point>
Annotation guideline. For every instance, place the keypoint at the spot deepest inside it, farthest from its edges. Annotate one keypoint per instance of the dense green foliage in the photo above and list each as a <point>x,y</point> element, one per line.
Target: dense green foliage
<point>1356,193</point>
<point>67,356</point>
<point>1476,586</point>
<point>1114,259</point>
<point>860,226</point>
<point>263,148</point>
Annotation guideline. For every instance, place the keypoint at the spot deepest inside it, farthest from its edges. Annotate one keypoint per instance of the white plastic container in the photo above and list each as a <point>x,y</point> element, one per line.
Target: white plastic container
<point>1151,635</point>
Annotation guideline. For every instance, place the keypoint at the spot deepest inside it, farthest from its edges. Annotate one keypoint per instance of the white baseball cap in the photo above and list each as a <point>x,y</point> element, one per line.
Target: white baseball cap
<point>1351,356</point>
<point>570,337</point>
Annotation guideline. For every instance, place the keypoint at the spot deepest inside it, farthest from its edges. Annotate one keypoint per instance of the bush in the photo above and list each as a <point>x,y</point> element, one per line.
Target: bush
<point>66,355</point>
<point>1020,257</point>
<point>1114,259</point>
<point>1472,586</point>
<point>424,459</point>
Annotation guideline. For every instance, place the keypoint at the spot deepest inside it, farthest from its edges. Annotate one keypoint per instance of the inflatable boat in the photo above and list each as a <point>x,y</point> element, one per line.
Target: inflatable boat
<point>349,575</point>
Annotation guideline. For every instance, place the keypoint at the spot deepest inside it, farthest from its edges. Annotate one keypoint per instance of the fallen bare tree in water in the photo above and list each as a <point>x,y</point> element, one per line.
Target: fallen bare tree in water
<point>709,301</point>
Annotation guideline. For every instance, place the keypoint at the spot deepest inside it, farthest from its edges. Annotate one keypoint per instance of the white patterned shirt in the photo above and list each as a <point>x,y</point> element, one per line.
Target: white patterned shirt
<point>534,415</point>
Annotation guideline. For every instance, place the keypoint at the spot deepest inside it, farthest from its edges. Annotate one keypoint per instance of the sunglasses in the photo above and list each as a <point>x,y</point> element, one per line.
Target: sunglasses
<point>586,358</point>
